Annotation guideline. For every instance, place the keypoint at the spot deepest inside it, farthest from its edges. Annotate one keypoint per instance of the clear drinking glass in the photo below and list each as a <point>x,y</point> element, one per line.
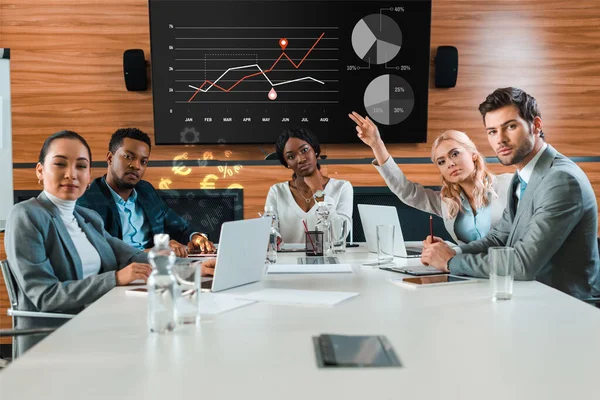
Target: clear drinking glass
<point>385,243</point>
<point>502,261</point>
<point>188,275</point>
<point>339,231</point>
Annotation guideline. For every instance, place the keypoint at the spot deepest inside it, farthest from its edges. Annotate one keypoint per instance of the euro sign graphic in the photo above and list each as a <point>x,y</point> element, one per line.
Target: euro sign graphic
<point>164,183</point>
<point>178,167</point>
<point>207,182</point>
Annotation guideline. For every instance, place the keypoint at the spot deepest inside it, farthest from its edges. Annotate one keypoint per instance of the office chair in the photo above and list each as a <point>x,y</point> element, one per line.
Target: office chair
<point>11,288</point>
<point>595,301</point>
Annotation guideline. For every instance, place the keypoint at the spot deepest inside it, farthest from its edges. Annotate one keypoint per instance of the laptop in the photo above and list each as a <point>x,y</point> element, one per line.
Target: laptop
<point>371,216</point>
<point>242,254</point>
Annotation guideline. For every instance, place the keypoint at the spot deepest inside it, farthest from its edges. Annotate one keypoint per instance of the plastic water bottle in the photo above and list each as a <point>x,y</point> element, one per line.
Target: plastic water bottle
<point>324,225</point>
<point>272,248</point>
<point>163,290</point>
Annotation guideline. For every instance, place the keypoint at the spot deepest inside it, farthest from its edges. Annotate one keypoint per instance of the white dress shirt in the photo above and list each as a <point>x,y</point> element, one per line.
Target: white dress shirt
<point>90,259</point>
<point>527,170</point>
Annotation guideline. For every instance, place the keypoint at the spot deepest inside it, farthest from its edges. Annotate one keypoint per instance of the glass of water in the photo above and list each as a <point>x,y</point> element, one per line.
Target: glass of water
<point>502,262</point>
<point>339,231</point>
<point>385,243</point>
<point>188,275</point>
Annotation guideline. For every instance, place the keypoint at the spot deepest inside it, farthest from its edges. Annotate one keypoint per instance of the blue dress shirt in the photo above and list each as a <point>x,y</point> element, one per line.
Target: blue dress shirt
<point>136,230</point>
<point>469,227</point>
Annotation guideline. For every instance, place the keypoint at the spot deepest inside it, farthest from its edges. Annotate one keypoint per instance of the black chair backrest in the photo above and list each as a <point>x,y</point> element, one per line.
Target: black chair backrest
<point>9,282</point>
<point>205,209</point>
<point>414,223</point>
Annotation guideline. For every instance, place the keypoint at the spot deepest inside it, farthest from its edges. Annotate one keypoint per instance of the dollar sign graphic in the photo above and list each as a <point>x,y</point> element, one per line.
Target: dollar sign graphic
<point>164,183</point>
<point>207,182</point>
<point>178,168</point>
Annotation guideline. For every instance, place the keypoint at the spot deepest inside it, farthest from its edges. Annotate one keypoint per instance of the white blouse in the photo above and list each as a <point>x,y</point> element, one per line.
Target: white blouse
<point>338,194</point>
<point>90,259</point>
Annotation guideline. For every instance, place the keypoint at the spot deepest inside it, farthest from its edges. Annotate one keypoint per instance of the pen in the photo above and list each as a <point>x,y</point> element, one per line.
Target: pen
<point>431,227</point>
<point>309,237</point>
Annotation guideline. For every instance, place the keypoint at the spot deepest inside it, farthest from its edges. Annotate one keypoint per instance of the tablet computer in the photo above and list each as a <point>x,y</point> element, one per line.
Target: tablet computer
<point>429,281</point>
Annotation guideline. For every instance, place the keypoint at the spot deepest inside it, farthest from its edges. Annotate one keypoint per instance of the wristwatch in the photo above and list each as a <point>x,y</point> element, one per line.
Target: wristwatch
<point>319,195</point>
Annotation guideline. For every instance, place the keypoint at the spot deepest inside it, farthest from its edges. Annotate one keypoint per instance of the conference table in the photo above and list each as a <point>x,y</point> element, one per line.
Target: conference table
<point>453,342</point>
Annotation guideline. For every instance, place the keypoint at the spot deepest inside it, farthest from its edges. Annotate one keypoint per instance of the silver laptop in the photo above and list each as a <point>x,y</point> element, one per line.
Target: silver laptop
<point>371,216</point>
<point>242,254</point>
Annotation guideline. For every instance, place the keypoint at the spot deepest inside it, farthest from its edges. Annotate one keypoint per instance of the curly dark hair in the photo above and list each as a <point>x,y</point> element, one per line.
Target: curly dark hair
<point>116,140</point>
<point>510,96</point>
<point>62,135</point>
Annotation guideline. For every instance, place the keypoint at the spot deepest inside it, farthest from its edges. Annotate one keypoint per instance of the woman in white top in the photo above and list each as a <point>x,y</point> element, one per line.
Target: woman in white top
<point>296,200</point>
<point>471,200</point>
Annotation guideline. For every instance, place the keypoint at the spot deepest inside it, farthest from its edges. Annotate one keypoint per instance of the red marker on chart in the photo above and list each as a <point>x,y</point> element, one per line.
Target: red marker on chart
<point>283,42</point>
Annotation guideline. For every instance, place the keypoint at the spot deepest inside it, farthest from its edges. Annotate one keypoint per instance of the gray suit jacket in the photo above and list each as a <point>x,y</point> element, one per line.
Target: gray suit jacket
<point>46,264</point>
<point>553,230</point>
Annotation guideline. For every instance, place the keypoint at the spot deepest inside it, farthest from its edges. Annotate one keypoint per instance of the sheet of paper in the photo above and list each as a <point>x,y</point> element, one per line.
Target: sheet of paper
<point>216,303</point>
<point>210,303</point>
<point>298,297</point>
<point>309,268</point>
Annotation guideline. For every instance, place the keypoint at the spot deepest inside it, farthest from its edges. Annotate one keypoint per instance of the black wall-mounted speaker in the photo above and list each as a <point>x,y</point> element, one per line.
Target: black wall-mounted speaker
<point>446,66</point>
<point>134,68</point>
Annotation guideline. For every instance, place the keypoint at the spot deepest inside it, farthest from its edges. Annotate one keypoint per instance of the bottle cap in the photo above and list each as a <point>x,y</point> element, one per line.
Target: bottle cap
<point>161,239</point>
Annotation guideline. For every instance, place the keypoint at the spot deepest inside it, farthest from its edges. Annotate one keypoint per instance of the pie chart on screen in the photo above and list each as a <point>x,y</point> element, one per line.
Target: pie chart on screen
<point>389,99</point>
<point>376,39</point>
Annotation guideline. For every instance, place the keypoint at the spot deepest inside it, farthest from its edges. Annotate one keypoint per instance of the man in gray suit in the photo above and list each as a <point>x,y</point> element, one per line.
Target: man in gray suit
<point>551,219</point>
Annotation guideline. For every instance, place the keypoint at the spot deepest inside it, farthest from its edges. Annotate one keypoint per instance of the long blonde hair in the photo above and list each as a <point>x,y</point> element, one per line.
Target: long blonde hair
<point>482,176</point>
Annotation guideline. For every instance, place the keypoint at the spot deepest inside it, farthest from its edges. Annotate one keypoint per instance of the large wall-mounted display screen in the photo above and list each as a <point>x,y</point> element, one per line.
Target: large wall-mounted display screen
<point>231,71</point>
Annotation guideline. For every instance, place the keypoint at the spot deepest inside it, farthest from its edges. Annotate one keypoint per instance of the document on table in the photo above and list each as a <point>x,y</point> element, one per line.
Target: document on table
<point>298,297</point>
<point>216,303</point>
<point>210,303</point>
<point>309,268</point>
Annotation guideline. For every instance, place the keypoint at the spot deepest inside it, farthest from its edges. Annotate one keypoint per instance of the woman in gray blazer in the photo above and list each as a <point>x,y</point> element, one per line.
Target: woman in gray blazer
<point>60,254</point>
<point>471,200</point>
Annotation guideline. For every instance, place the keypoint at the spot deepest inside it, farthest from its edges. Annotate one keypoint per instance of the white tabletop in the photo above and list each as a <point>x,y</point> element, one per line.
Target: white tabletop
<point>453,342</point>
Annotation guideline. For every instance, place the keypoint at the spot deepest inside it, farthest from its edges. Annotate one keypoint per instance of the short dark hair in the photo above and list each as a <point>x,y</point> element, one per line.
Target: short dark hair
<point>62,135</point>
<point>510,96</point>
<point>297,133</point>
<point>116,140</point>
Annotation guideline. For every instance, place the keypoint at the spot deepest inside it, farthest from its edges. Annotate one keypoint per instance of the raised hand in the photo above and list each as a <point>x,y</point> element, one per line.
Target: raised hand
<point>367,130</point>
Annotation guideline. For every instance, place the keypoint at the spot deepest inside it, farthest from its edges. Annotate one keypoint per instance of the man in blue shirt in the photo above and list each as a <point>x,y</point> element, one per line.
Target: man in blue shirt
<point>131,208</point>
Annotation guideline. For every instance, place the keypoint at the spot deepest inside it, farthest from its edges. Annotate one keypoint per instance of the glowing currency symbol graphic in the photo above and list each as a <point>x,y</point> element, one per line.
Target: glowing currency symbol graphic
<point>208,155</point>
<point>207,182</point>
<point>235,186</point>
<point>178,168</point>
<point>228,153</point>
<point>164,183</point>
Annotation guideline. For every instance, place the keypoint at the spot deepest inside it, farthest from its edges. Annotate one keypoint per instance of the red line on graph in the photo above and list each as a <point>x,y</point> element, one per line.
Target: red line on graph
<point>258,73</point>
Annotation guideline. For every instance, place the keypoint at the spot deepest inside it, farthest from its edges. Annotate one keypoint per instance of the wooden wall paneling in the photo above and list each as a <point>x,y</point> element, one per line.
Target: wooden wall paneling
<point>67,70</point>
